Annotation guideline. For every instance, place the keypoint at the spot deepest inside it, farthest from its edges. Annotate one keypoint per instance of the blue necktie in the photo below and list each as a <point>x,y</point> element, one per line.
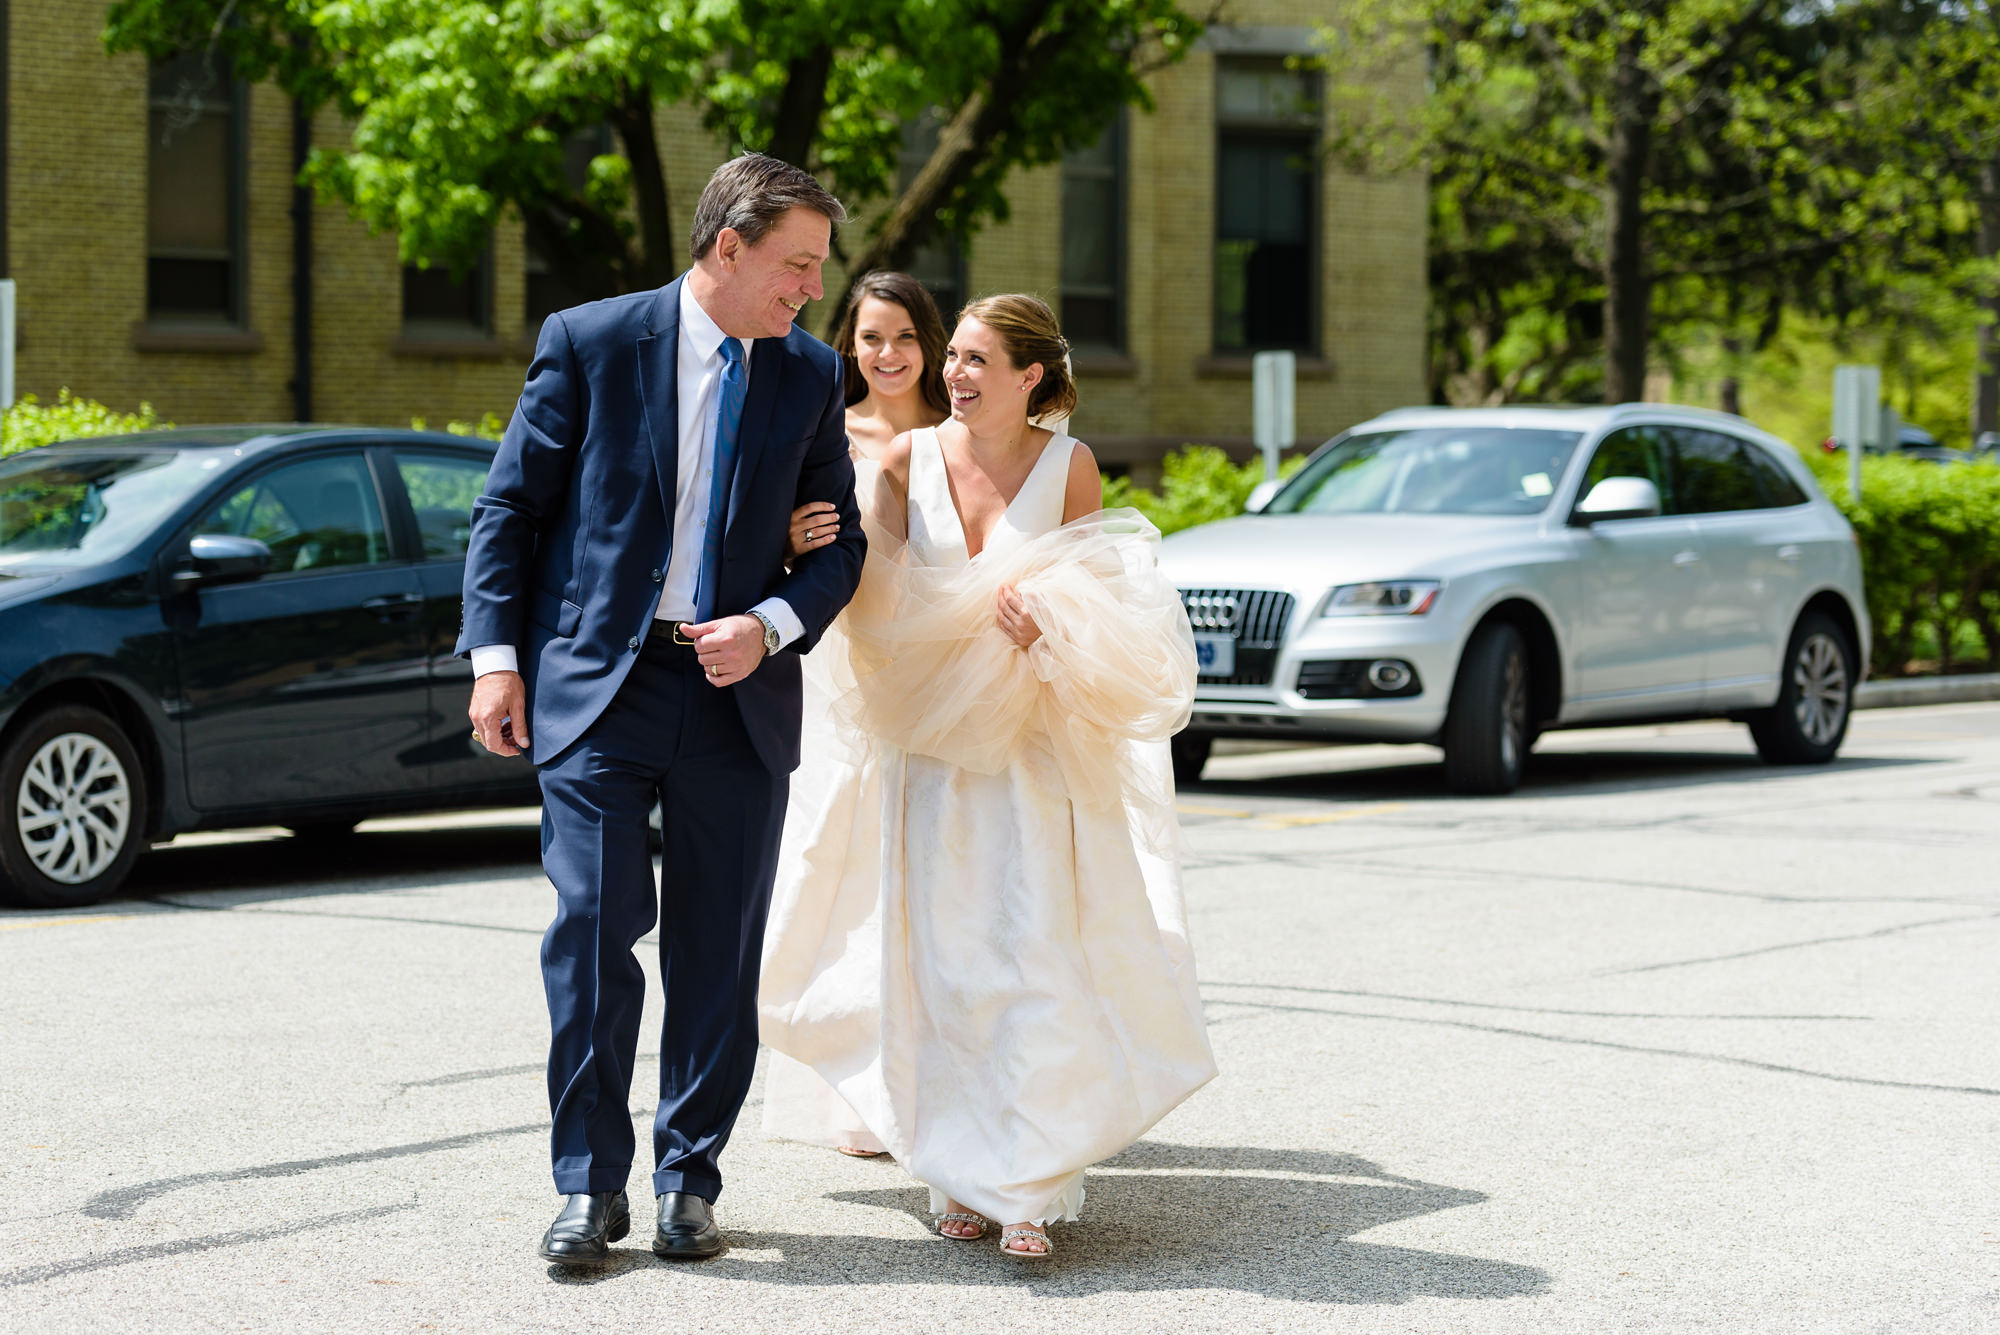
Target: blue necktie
<point>728,418</point>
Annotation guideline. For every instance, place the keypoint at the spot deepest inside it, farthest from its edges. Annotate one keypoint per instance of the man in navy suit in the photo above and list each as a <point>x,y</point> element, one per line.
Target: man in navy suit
<point>635,630</point>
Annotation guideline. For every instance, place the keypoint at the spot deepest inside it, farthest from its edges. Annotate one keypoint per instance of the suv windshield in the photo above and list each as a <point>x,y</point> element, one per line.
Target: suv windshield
<point>1467,470</point>
<point>64,508</point>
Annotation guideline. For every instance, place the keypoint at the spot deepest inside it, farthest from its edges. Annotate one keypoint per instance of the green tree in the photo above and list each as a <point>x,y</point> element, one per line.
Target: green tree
<point>1606,173</point>
<point>462,109</point>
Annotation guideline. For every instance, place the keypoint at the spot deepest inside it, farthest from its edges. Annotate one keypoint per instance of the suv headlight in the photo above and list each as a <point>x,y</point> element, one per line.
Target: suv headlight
<point>1391,598</point>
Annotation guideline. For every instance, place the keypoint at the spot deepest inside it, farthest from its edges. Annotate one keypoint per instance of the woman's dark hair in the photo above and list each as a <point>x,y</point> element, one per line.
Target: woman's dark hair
<point>1027,329</point>
<point>898,289</point>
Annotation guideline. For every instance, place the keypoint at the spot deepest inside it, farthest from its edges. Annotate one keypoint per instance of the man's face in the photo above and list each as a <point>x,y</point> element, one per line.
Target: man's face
<point>762,288</point>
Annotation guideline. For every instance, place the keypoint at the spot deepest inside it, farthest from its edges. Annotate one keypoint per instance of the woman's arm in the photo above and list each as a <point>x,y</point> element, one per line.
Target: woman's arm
<point>1084,495</point>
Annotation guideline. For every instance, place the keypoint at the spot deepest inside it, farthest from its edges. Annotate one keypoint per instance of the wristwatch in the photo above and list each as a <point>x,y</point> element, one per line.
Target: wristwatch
<point>771,641</point>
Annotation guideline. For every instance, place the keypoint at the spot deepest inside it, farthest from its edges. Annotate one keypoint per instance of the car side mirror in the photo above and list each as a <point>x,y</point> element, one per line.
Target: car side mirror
<point>1260,496</point>
<point>1617,498</point>
<point>223,558</point>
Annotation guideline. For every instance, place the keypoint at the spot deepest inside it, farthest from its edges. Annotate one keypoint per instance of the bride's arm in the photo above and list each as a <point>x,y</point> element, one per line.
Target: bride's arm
<point>1084,495</point>
<point>891,502</point>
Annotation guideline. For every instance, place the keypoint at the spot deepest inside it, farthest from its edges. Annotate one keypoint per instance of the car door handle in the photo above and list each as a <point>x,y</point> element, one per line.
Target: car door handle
<point>393,606</point>
<point>1686,559</point>
<point>1791,551</point>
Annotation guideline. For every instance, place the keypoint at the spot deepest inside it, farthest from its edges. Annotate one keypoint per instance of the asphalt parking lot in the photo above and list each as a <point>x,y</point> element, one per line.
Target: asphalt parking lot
<point>1667,1041</point>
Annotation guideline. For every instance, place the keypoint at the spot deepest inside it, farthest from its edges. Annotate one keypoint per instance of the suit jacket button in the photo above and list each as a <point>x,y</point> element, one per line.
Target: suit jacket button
<point>656,577</point>
<point>632,643</point>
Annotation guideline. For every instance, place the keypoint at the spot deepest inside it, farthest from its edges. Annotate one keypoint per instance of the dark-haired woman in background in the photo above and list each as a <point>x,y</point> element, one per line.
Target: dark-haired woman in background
<point>892,342</point>
<point>982,952</point>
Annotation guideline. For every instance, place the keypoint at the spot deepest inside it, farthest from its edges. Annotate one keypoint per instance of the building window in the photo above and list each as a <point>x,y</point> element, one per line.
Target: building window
<point>1093,242</point>
<point>547,291</point>
<point>939,264</point>
<point>194,192</point>
<point>441,303</point>
<point>1267,208</point>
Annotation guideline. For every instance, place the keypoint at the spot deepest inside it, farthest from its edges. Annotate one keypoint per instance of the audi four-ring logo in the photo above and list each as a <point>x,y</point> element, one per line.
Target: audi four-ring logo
<point>1212,611</point>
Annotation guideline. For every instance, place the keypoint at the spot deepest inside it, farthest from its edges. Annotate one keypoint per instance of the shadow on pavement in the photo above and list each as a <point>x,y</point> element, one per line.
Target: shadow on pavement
<point>284,867</point>
<point>1553,774</point>
<point>1160,1216</point>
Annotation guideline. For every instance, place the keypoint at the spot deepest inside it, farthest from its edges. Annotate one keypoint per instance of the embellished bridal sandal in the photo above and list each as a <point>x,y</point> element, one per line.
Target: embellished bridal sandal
<point>853,1153</point>
<point>1009,1235</point>
<point>978,1223</point>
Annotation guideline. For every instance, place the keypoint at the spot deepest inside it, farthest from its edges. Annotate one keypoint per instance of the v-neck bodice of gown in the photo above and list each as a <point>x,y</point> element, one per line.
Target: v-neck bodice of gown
<point>937,535</point>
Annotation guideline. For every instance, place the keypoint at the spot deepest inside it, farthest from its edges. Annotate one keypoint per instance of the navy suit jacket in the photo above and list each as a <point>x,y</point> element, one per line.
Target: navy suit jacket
<point>570,541</point>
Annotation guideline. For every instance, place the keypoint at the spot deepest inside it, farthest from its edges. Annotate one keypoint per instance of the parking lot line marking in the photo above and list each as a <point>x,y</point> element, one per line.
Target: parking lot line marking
<point>62,922</point>
<point>1327,818</point>
<point>1196,809</point>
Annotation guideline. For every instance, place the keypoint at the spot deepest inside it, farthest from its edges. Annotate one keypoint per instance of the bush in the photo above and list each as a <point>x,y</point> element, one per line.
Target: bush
<point>491,426</point>
<point>1199,483</point>
<point>1930,558</point>
<point>28,424</point>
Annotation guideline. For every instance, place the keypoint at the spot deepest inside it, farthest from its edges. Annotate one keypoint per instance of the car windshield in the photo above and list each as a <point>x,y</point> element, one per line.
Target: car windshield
<point>1468,470</point>
<point>66,508</point>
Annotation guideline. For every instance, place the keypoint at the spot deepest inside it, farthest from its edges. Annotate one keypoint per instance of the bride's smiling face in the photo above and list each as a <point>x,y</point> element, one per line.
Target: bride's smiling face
<point>886,348</point>
<point>988,392</point>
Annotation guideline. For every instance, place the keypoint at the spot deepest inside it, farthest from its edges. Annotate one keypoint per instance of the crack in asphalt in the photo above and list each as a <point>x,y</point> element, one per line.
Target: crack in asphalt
<point>38,1274</point>
<point>1641,1049</point>
<point>1782,946</point>
<point>1532,1010</point>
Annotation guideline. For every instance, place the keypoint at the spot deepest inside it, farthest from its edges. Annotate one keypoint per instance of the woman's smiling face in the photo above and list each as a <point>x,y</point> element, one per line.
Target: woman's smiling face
<point>886,348</point>
<point>987,389</point>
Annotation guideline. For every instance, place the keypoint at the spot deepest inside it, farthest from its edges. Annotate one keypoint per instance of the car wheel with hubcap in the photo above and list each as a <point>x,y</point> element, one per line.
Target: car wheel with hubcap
<point>74,818</point>
<point>1487,731</point>
<point>1190,752</point>
<point>1815,697</point>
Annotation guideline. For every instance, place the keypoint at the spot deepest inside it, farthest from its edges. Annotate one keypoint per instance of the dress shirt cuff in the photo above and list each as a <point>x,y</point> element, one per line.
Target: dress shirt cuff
<point>782,616</point>
<point>495,658</point>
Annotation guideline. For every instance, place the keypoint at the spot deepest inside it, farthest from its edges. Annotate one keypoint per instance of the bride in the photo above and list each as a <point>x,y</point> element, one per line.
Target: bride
<point>977,941</point>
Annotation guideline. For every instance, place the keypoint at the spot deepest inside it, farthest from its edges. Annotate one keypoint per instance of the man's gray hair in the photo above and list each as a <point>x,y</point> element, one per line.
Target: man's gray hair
<point>750,194</point>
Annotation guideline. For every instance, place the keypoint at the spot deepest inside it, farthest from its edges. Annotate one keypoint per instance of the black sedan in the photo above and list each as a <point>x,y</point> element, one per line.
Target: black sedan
<point>229,626</point>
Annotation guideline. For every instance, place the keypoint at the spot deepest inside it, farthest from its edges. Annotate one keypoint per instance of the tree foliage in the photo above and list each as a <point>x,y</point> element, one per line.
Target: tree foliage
<point>464,110</point>
<point>1610,179</point>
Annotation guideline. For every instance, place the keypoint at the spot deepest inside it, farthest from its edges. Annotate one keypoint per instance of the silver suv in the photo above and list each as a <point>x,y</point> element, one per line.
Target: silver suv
<point>1473,577</point>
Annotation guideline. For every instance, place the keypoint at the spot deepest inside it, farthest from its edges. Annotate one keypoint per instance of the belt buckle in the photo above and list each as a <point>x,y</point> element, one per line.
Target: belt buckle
<point>678,637</point>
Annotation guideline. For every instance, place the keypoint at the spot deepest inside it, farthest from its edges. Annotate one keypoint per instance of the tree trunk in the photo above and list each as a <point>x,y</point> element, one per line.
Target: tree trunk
<point>1025,51</point>
<point>656,261</point>
<point>1627,285</point>
<point>801,105</point>
<point>1732,386</point>
<point>1986,385</point>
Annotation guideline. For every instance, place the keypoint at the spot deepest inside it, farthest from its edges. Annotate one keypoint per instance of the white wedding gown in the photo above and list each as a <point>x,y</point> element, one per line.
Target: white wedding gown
<point>977,956</point>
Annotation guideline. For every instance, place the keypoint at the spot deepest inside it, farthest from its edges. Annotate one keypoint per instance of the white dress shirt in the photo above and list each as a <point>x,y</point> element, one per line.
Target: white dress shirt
<point>698,371</point>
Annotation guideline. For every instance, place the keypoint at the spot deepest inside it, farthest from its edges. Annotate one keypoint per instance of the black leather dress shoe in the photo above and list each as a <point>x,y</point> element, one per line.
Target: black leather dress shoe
<point>686,1230</point>
<point>589,1223</point>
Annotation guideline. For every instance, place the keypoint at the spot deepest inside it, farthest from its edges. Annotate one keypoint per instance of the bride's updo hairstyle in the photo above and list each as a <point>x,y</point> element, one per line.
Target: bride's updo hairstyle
<point>1027,328</point>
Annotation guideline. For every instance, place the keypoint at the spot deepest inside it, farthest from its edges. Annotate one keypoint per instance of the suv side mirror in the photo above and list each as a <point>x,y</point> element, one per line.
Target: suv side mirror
<point>223,558</point>
<point>1260,496</point>
<point>1617,498</point>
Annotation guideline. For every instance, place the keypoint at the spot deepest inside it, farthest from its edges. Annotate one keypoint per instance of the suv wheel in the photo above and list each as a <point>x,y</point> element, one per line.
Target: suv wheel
<point>1190,752</point>
<point>1815,697</point>
<point>1487,731</point>
<point>72,809</point>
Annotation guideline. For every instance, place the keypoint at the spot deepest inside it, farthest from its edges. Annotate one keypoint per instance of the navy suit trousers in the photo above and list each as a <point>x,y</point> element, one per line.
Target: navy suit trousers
<point>668,736</point>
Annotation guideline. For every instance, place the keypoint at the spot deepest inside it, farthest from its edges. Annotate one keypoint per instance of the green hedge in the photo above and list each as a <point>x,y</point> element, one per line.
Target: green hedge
<point>1930,557</point>
<point>29,423</point>
<point>1198,483</point>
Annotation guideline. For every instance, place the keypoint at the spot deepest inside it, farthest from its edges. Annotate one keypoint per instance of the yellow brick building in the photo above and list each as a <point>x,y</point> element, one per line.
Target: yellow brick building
<point>1189,237</point>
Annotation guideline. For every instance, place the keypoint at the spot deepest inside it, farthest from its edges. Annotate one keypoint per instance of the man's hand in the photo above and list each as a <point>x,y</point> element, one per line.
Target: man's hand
<point>728,648</point>
<point>499,713</point>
